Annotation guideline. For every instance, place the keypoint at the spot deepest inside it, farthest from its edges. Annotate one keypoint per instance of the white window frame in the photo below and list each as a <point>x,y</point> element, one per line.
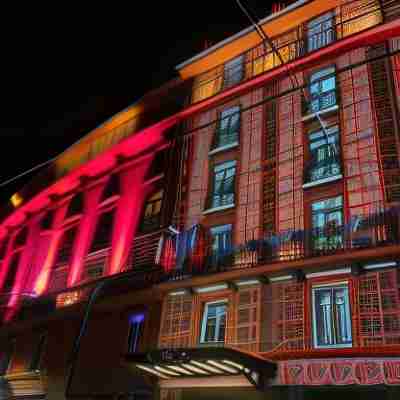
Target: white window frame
<point>230,65</point>
<point>314,315</point>
<point>204,320</point>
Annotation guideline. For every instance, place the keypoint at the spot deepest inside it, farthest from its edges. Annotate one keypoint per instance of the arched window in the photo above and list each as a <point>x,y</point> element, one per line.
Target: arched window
<point>152,212</point>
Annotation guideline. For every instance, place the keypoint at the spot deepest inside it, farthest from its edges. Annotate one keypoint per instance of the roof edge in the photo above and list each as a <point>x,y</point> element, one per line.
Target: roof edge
<point>243,32</point>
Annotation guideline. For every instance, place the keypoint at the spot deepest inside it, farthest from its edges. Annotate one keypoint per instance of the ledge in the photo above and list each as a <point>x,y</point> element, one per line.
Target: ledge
<point>220,208</point>
<point>223,148</point>
<point>322,181</point>
<point>320,113</point>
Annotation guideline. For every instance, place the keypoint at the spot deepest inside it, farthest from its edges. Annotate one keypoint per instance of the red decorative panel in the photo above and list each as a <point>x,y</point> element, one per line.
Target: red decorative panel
<point>290,212</point>
<point>198,183</point>
<point>379,308</point>
<point>269,171</point>
<point>360,156</point>
<point>248,319</point>
<point>385,119</point>
<point>176,321</point>
<point>285,304</point>
<point>340,372</point>
<point>395,46</point>
<point>249,171</point>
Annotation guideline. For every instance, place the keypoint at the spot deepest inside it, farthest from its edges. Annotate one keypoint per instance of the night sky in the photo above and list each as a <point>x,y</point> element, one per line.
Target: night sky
<point>51,57</point>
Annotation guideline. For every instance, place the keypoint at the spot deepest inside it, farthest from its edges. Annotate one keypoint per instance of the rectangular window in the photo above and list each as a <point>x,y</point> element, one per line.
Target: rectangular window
<point>66,245</point>
<point>321,31</point>
<point>135,332</point>
<point>214,322</point>
<point>102,236</point>
<point>233,71</point>
<point>228,130</point>
<point>324,155</point>
<point>223,187</point>
<point>221,239</point>
<point>12,272</point>
<point>327,224</point>
<point>331,319</point>
<point>37,354</point>
<point>322,90</point>
<point>152,212</point>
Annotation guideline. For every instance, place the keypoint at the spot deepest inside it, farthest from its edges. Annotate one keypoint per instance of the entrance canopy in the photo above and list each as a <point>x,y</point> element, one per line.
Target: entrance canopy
<point>197,363</point>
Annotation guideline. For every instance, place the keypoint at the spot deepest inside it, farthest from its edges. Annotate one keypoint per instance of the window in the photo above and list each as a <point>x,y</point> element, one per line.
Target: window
<point>324,155</point>
<point>322,90</point>
<point>228,130</point>
<point>214,322</point>
<point>75,206</point>
<point>112,187</point>
<point>37,354</point>
<point>3,247</point>
<point>233,72</point>
<point>67,241</point>
<point>102,236</point>
<point>47,220</point>
<point>12,272</point>
<point>327,222</point>
<point>152,212</point>
<point>135,332</point>
<point>223,184</point>
<point>320,31</point>
<point>6,357</point>
<point>221,244</point>
<point>331,319</point>
<point>20,238</point>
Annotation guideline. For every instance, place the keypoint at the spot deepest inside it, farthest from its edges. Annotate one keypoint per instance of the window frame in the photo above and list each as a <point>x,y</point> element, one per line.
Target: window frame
<point>231,69</point>
<point>156,219</point>
<point>312,162</point>
<point>317,78</point>
<point>317,228</point>
<point>319,21</point>
<point>133,347</point>
<point>348,306</point>
<point>231,164</point>
<point>230,114</point>
<point>203,328</point>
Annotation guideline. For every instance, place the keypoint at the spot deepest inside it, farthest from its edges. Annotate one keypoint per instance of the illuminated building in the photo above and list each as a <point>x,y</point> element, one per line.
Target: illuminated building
<point>260,260</point>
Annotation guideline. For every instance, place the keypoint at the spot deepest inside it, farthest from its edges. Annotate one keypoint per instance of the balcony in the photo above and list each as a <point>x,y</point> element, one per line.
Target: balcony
<point>346,20</point>
<point>375,230</point>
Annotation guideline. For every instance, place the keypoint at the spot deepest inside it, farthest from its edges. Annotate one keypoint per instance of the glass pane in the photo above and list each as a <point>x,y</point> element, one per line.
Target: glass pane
<point>342,316</point>
<point>323,311</point>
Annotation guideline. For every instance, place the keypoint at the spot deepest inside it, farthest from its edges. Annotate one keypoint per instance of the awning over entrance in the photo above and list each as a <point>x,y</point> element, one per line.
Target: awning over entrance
<point>197,363</point>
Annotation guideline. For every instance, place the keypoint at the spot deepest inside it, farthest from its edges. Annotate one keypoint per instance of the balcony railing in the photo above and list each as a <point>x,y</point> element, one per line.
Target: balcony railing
<point>347,19</point>
<point>365,231</point>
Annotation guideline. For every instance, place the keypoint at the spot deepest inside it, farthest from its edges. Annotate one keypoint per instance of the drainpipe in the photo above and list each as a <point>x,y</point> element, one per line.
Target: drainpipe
<point>73,358</point>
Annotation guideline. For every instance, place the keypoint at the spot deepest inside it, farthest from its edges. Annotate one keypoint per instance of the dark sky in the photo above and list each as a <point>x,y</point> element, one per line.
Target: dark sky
<point>50,57</point>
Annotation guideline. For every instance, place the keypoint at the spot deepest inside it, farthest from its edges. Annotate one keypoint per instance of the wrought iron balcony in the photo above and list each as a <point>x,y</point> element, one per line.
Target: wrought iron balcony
<point>347,19</point>
<point>367,231</point>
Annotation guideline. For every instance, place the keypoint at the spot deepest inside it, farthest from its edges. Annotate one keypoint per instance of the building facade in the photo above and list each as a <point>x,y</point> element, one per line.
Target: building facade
<point>243,244</point>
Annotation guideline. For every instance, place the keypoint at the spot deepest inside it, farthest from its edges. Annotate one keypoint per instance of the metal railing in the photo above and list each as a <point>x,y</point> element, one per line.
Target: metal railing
<point>365,231</point>
<point>347,19</point>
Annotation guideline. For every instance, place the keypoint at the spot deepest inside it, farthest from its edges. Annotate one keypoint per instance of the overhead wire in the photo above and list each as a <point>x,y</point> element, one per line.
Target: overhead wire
<point>293,77</point>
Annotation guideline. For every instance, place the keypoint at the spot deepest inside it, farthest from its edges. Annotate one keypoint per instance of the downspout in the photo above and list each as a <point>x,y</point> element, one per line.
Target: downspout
<point>73,358</point>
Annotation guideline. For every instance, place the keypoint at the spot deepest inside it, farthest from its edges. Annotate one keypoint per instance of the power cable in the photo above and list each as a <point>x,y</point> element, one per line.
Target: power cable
<point>293,78</point>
